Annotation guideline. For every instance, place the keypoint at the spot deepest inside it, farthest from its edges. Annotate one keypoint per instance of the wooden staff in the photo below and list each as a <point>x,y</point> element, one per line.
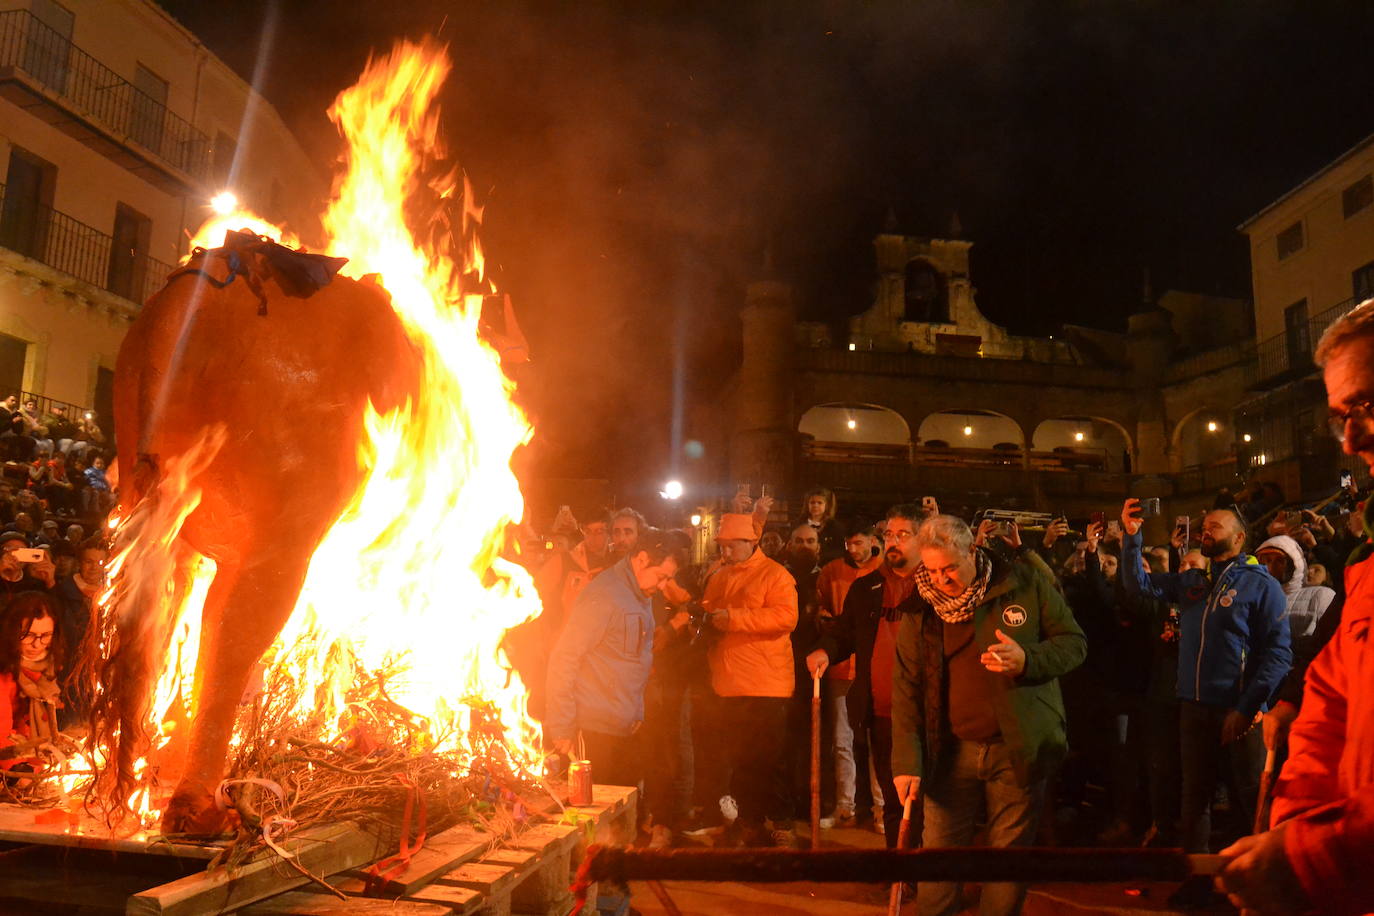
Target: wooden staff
<point>883,866</point>
<point>894,903</point>
<point>1266,779</point>
<point>815,760</point>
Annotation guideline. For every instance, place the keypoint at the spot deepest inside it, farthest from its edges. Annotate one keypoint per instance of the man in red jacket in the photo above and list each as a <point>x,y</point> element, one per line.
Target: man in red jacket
<point>1319,853</point>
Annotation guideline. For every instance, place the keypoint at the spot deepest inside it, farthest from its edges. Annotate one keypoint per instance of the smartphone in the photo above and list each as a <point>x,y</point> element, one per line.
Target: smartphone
<point>1149,508</point>
<point>1097,518</point>
<point>1185,523</point>
<point>1346,480</point>
<point>29,555</point>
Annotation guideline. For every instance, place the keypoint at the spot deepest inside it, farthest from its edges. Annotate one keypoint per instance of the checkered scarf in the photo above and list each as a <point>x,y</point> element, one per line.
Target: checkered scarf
<point>959,609</point>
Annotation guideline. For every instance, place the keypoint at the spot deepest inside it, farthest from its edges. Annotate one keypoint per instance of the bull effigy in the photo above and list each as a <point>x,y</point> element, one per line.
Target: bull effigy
<point>312,570</point>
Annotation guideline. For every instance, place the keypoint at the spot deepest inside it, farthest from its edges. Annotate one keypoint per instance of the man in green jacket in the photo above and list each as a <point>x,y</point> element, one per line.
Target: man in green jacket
<point>977,717</point>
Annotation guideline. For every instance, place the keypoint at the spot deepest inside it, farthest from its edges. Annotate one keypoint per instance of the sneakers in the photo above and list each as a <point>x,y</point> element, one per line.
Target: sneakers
<point>729,809</point>
<point>843,817</point>
<point>660,837</point>
<point>827,823</point>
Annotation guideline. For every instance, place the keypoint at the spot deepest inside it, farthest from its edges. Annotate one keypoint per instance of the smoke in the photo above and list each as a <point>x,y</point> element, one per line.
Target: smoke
<point>638,158</point>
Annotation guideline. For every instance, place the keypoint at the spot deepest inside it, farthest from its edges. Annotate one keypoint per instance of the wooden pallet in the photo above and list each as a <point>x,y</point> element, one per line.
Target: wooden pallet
<point>459,871</point>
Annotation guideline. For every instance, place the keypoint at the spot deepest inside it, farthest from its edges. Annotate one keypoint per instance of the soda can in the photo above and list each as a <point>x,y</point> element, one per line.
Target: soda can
<point>580,782</point>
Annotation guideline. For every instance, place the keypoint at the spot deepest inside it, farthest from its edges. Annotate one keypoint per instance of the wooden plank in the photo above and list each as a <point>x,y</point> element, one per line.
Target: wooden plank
<point>455,899</point>
<point>323,850</point>
<point>17,825</point>
<point>310,903</point>
<point>441,853</point>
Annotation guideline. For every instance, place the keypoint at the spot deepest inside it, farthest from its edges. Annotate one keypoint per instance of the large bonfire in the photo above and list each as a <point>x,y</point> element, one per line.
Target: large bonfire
<point>389,677</point>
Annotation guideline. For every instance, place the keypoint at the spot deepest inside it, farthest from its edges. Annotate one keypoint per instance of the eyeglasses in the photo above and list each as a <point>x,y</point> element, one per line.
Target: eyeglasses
<point>899,535</point>
<point>37,639</point>
<point>1360,412</point>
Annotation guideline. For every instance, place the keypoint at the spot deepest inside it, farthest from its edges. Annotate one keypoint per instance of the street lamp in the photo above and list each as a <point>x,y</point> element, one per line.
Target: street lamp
<point>1211,426</point>
<point>968,430</point>
<point>695,519</point>
<point>671,490</point>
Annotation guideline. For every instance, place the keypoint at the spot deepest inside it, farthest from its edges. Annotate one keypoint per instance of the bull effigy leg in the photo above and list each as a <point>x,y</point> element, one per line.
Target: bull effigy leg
<point>245,608</point>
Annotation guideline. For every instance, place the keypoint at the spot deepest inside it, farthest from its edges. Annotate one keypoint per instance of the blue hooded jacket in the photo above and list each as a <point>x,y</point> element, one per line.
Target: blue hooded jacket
<point>1233,648</point>
<point>601,660</point>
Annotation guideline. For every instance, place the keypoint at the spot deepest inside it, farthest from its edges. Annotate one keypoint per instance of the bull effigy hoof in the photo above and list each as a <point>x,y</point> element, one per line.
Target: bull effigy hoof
<point>191,811</point>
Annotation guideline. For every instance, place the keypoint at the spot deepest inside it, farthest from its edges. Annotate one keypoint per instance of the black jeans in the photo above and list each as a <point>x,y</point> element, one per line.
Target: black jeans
<point>1201,751</point>
<point>740,752</point>
<point>1165,778</point>
<point>617,760</point>
<point>668,749</point>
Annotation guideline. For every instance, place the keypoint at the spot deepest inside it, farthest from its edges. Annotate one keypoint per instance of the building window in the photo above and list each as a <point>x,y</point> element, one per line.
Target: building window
<point>222,158</point>
<point>1290,240</point>
<point>1358,196</point>
<point>129,253</point>
<point>1362,282</point>
<point>148,114</point>
<point>26,210</point>
<point>925,296</point>
<point>13,354</point>
<point>1298,334</point>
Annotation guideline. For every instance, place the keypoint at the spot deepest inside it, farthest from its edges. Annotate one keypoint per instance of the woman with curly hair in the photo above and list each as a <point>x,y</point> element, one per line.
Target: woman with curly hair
<point>31,653</point>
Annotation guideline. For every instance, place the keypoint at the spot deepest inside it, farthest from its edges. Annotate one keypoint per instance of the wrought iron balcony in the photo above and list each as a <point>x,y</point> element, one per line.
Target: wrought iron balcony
<point>81,251</point>
<point>1288,356</point>
<point>43,72</point>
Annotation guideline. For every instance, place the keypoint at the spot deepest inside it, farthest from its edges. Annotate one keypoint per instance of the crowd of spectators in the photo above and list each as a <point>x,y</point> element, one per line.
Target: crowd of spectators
<point>715,675</point>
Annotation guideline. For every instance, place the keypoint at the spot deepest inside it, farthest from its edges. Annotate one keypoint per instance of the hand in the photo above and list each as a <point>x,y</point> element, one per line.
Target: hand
<point>1014,538</point>
<point>1234,726</point>
<point>930,506</point>
<point>1277,722</point>
<point>719,617</point>
<point>1094,536</point>
<point>563,746</point>
<point>1130,523</point>
<point>1055,530</point>
<point>1258,878</point>
<point>985,528</point>
<point>907,787</point>
<point>817,662</point>
<point>1177,540</point>
<point>680,620</point>
<point>763,505</point>
<point>1005,657</point>
<point>741,504</point>
<point>45,570</point>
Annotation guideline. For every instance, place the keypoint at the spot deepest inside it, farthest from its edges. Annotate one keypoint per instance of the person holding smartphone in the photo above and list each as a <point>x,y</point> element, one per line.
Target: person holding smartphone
<point>1234,651</point>
<point>23,568</point>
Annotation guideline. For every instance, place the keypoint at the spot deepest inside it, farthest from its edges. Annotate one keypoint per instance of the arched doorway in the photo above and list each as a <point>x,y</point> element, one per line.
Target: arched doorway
<point>1081,443</point>
<point>970,437</point>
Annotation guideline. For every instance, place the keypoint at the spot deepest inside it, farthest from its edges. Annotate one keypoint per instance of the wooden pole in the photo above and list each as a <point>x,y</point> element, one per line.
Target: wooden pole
<point>894,903</point>
<point>1266,779</point>
<point>883,866</point>
<point>815,760</point>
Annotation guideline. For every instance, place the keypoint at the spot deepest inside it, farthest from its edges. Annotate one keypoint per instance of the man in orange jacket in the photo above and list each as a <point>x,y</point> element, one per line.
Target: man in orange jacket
<point>752,602</point>
<point>1319,853</point>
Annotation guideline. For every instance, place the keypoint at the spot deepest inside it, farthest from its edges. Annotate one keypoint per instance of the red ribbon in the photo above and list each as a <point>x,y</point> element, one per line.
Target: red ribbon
<point>394,866</point>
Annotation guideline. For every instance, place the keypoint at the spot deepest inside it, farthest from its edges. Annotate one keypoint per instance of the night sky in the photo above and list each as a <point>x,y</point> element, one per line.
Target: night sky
<point>637,158</point>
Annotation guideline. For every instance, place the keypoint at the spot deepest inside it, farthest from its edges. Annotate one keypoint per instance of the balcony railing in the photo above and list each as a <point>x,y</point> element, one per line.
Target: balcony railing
<point>876,362</point>
<point>1289,355</point>
<point>47,60</point>
<point>82,251</point>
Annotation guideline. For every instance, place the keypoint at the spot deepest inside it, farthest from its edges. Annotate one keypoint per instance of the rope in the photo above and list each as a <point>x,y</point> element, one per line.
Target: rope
<point>394,866</point>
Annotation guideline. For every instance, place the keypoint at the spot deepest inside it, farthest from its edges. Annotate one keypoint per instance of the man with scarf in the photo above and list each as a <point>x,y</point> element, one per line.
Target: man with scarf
<point>977,717</point>
<point>867,629</point>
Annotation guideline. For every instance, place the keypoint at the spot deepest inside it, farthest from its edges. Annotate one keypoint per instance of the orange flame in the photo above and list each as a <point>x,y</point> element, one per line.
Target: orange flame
<point>411,576</point>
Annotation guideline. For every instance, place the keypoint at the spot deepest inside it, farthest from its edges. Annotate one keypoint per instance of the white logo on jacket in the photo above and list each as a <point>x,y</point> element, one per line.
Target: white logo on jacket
<point>1014,615</point>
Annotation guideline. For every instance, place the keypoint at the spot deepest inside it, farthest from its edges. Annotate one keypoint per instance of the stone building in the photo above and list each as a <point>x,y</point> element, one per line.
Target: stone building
<point>1311,261</point>
<point>117,127</point>
<point>925,396</point>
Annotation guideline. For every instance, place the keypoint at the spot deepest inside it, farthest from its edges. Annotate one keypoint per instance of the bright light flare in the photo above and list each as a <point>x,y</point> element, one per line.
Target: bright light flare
<point>671,490</point>
<point>224,203</point>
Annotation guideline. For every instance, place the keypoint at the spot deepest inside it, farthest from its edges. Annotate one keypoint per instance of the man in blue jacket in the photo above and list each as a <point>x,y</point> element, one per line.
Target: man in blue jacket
<point>601,661</point>
<point>1233,654</point>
